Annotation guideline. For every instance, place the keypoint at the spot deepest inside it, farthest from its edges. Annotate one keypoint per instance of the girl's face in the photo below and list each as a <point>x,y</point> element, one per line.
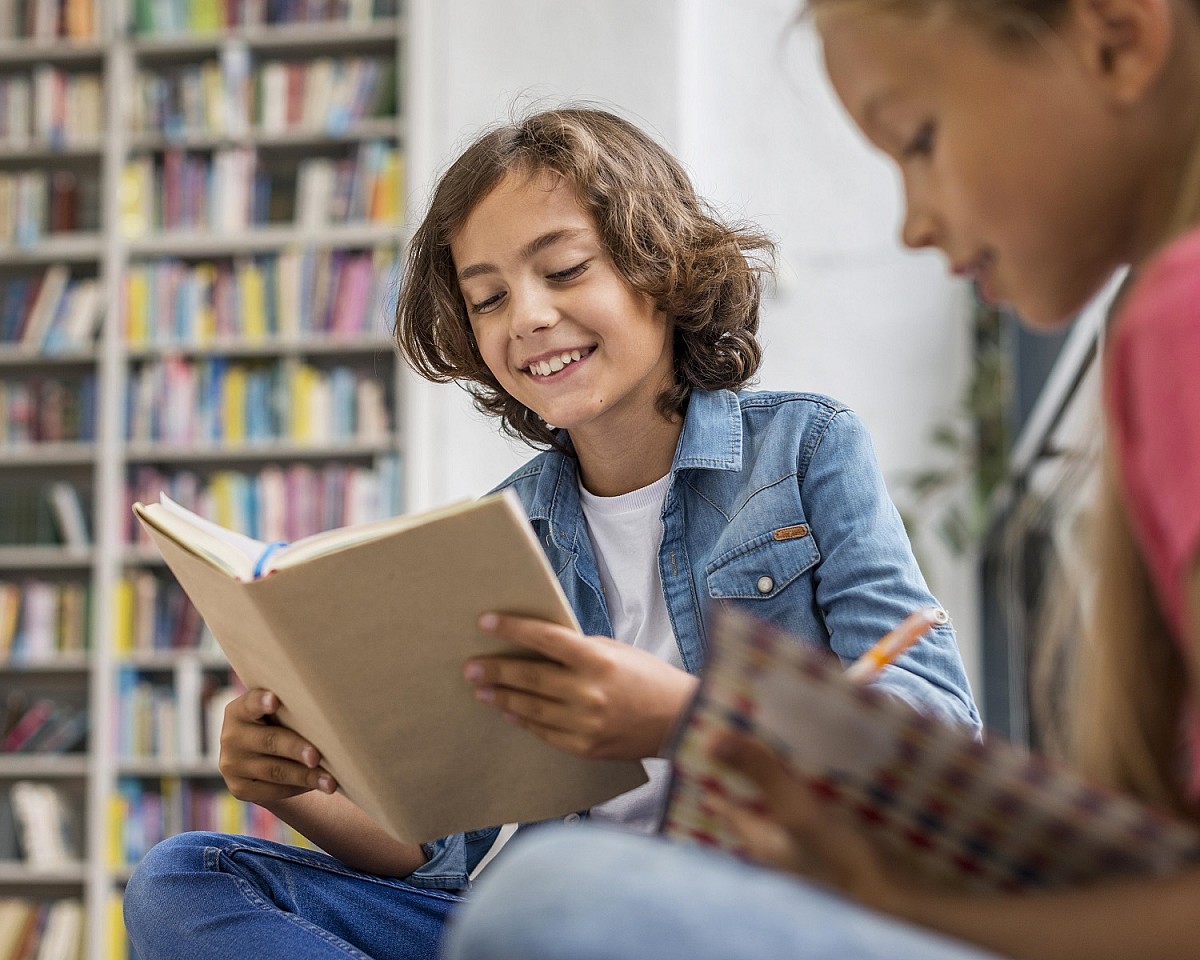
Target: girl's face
<point>1011,161</point>
<point>560,329</point>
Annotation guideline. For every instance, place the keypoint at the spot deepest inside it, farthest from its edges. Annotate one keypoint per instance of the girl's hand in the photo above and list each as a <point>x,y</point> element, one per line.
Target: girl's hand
<point>794,830</point>
<point>598,698</point>
<point>262,761</point>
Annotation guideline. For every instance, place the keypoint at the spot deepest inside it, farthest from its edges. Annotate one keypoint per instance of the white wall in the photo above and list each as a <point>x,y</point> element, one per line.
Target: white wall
<point>742,100</point>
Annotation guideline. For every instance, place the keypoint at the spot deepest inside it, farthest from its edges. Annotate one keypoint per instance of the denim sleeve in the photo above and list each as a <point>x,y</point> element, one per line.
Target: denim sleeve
<point>867,580</point>
<point>451,859</point>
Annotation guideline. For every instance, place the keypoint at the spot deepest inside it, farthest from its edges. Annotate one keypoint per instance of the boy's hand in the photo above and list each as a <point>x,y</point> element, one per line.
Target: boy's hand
<point>262,761</point>
<point>598,698</point>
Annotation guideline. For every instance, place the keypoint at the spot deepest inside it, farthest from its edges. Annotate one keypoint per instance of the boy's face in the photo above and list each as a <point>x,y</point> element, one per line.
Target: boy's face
<point>1011,162</point>
<point>558,326</point>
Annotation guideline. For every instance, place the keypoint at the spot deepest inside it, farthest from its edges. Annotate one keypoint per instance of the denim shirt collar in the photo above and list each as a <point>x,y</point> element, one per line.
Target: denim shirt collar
<point>711,439</point>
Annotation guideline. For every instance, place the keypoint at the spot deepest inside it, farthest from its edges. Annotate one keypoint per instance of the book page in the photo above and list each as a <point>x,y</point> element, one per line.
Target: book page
<point>234,553</point>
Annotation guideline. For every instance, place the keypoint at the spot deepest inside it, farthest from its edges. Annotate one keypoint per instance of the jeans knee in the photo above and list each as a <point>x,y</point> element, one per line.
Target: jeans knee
<point>157,873</point>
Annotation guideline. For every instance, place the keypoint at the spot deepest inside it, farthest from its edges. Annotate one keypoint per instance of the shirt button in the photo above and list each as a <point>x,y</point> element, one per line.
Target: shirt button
<point>765,584</point>
<point>571,818</point>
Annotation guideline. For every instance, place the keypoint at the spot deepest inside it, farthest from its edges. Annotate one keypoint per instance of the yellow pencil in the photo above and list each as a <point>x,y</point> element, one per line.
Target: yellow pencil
<point>892,644</point>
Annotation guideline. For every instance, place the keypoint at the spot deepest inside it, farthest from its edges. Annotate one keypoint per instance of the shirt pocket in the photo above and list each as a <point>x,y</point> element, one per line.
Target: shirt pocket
<point>761,567</point>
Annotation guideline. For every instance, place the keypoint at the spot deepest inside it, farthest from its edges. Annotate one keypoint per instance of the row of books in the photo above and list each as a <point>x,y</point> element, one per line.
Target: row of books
<point>43,724</point>
<point>220,402</point>
<point>47,409</point>
<point>35,203</point>
<point>51,106</point>
<point>144,811</point>
<point>41,929</point>
<point>43,620</point>
<point>50,312</point>
<point>229,96</point>
<point>42,821</point>
<point>204,16</point>
<point>176,719</point>
<point>276,503</point>
<point>287,296</point>
<point>152,613</point>
<point>227,190</point>
<point>48,20</point>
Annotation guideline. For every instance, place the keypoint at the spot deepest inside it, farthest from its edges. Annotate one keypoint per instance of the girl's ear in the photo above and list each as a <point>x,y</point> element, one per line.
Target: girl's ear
<point>1124,44</point>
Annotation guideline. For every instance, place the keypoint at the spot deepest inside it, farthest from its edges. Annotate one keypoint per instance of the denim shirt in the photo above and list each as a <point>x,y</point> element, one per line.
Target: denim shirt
<point>776,502</point>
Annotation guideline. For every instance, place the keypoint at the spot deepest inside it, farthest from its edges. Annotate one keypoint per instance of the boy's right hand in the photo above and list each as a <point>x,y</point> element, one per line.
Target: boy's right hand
<point>262,761</point>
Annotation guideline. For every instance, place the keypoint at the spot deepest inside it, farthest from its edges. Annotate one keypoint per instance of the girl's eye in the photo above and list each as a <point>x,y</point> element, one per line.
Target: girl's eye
<point>484,306</point>
<point>570,273</point>
<point>922,144</point>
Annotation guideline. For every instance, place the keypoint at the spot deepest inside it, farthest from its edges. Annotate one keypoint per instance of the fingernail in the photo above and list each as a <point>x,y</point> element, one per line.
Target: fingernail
<point>473,672</point>
<point>266,701</point>
<point>488,621</point>
<point>510,717</point>
<point>485,694</point>
<point>310,757</point>
<point>326,784</point>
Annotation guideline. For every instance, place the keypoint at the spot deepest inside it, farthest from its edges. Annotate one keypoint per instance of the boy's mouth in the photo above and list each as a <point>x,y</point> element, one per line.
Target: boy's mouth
<point>549,364</point>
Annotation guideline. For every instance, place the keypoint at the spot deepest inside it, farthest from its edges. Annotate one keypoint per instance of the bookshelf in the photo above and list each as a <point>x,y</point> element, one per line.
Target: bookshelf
<point>201,210</point>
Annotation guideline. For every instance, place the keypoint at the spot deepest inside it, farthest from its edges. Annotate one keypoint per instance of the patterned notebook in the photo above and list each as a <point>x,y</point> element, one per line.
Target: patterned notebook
<point>958,812</point>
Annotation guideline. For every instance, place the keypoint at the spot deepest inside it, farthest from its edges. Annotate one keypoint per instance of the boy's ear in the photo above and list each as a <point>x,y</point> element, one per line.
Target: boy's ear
<point>1124,44</point>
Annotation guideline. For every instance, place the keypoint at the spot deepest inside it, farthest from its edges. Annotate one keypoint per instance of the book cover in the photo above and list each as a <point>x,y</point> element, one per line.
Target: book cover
<point>956,811</point>
<point>363,632</point>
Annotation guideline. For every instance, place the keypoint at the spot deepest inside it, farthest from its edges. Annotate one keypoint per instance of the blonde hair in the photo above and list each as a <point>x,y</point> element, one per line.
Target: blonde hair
<point>1126,728</point>
<point>664,240</point>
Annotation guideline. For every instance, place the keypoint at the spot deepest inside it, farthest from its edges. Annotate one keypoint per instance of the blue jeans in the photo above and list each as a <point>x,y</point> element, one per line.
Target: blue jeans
<point>596,894</point>
<point>224,897</point>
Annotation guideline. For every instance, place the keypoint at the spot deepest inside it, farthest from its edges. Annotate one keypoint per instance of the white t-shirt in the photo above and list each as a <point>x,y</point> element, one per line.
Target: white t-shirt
<point>626,533</point>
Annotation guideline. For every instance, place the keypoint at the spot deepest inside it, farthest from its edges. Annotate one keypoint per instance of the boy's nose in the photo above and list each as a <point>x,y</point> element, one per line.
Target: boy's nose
<point>530,314</point>
<point>919,229</point>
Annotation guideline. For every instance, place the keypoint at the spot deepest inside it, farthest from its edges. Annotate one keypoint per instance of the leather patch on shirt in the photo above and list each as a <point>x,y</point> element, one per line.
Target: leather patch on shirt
<point>791,533</point>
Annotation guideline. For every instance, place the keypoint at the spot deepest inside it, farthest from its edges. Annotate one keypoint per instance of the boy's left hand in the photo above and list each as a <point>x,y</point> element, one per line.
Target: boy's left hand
<point>598,698</point>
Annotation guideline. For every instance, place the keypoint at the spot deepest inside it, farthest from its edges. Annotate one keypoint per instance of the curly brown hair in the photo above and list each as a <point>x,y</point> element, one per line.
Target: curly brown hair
<point>705,274</point>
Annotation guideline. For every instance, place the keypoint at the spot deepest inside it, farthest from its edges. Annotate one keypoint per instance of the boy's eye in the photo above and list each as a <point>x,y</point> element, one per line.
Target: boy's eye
<point>570,273</point>
<point>483,306</point>
<point>922,144</point>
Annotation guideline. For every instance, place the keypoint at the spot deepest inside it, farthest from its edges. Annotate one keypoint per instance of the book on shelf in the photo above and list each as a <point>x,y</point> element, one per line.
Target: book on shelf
<point>42,825</point>
<point>937,803</point>
<point>69,515</point>
<point>363,631</point>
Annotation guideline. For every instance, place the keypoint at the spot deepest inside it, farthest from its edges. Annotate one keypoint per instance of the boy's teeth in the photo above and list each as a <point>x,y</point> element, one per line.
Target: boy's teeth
<point>556,364</point>
<point>575,355</point>
<point>544,368</point>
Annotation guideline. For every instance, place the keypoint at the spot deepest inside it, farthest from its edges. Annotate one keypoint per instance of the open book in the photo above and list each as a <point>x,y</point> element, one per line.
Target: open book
<point>363,632</point>
<point>943,806</point>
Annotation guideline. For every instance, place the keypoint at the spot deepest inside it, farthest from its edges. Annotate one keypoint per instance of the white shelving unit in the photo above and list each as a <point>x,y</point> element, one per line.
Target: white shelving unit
<point>103,468</point>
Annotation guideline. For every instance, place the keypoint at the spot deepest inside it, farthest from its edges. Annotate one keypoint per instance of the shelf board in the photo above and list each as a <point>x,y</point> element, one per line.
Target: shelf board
<point>45,558</point>
<point>169,659</point>
<point>373,129</point>
<point>75,663</point>
<point>206,769</point>
<point>275,450</point>
<point>328,36</point>
<point>324,346</point>
<point>15,873</point>
<point>46,454</point>
<point>26,50</point>
<point>42,150</point>
<point>70,247</point>
<point>187,243</point>
<point>34,766</point>
<point>12,355</point>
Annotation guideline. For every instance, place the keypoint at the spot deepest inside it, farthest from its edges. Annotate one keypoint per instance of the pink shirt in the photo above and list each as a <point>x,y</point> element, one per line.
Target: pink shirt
<point>1152,398</point>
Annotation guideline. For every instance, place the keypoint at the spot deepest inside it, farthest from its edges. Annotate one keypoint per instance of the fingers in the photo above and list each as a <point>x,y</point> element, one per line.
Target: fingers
<point>564,644</point>
<point>261,760</point>
<point>785,797</point>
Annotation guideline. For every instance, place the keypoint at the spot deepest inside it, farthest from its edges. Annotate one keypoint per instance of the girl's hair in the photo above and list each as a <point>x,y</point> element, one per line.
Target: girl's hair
<point>705,274</point>
<point>1126,728</point>
<point>1127,675</point>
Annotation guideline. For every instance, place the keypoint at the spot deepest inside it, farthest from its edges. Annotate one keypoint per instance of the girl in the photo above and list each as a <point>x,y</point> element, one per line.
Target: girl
<point>567,274</point>
<point>1042,143</point>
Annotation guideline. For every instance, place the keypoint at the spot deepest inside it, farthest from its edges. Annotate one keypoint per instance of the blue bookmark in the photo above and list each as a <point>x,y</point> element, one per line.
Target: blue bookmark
<point>267,551</point>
